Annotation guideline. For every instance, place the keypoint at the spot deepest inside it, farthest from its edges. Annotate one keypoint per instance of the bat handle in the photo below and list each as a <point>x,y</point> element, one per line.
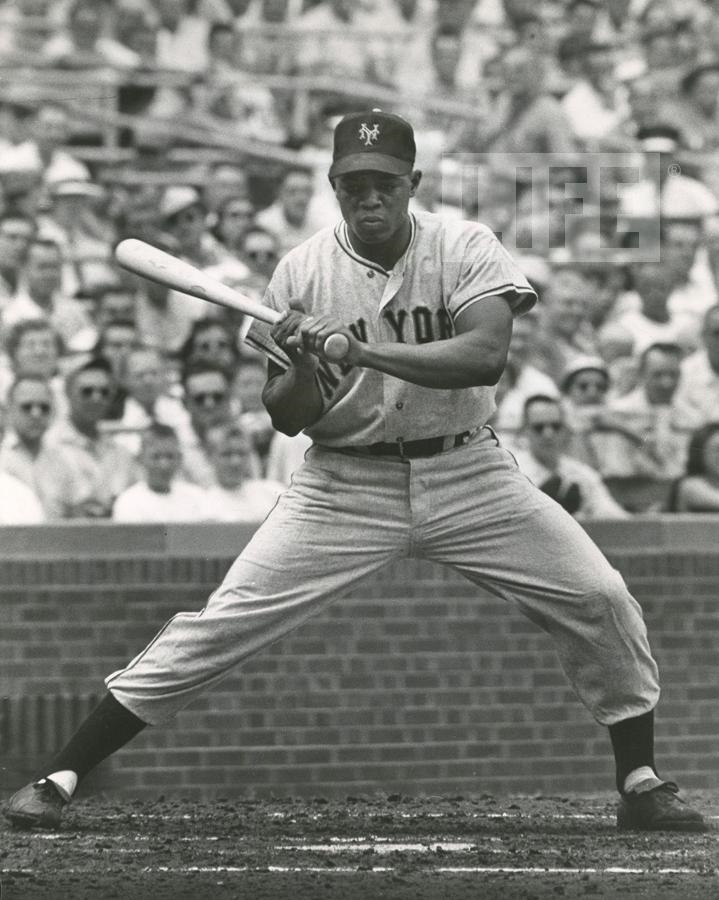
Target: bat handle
<point>336,347</point>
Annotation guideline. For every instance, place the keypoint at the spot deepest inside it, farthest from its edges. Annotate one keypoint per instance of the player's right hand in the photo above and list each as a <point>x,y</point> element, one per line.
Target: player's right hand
<point>285,332</point>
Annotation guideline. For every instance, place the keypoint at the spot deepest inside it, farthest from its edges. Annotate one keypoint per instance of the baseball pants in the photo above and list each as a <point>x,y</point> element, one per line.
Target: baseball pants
<point>347,515</point>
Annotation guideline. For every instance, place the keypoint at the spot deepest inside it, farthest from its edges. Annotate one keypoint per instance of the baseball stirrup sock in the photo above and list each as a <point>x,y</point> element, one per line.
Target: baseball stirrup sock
<point>633,744</point>
<point>108,727</point>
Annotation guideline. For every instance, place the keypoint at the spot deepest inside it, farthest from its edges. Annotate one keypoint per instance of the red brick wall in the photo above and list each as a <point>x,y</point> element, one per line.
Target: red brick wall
<point>414,683</point>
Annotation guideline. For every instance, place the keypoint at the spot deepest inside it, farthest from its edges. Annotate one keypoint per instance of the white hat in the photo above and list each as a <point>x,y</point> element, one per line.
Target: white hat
<point>77,187</point>
<point>177,198</point>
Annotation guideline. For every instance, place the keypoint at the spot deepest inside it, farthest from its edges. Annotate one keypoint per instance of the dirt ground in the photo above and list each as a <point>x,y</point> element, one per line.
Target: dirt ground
<point>363,848</point>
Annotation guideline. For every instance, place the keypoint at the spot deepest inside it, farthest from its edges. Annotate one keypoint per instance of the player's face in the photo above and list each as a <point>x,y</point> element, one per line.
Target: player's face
<point>374,204</point>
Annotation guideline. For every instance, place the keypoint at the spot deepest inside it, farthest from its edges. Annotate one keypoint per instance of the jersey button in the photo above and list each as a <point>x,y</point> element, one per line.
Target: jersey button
<point>370,273</point>
<point>399,404</point>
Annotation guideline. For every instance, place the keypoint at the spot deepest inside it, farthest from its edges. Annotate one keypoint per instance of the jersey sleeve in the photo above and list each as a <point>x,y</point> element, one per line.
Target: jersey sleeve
<point>480,267</point>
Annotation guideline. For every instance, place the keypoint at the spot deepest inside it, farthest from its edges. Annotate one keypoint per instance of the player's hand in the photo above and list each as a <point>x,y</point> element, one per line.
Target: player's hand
<point>284,335</point>
<point>311,332</point>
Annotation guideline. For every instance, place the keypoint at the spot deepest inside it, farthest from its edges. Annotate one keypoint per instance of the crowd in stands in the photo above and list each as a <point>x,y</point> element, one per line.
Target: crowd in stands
<point>583,133</point>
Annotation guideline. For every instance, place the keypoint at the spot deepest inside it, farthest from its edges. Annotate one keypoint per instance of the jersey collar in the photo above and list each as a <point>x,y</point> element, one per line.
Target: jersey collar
<point>342,238</point>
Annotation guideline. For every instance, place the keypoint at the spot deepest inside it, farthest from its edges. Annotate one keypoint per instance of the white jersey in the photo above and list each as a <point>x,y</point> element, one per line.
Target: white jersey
<point>448,266</point>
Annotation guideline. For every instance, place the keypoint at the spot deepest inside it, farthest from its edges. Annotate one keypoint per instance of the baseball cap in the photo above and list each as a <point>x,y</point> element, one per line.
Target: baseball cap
<point>374,140</point>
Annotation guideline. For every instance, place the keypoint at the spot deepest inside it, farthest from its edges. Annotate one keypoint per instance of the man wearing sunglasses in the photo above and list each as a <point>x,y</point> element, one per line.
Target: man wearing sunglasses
<point>30,454</point>
<point>402,465</point>
<point>102,467</point>
<point>543,458</point>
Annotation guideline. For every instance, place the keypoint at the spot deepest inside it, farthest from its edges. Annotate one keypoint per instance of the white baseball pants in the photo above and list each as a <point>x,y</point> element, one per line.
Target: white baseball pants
<point>347,515</point>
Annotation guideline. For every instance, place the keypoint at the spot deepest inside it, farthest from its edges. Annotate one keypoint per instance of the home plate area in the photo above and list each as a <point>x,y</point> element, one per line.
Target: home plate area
<point>363,848</point>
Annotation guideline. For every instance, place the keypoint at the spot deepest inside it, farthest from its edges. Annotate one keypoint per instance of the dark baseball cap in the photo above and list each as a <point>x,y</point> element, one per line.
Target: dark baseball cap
<point>373,140</point>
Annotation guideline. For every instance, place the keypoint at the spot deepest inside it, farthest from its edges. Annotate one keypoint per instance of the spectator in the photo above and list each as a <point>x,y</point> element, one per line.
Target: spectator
<point>565,331</point>
<point>45,150</point>
<point>585,388</point>
<point>260,251</point>
<point>29,453</point>
<point>165,317</point>
<point>182,38</point>
<point>596,107</point>
<point>115,340</point>
<point>655,428</point>
<point>526,117</point>
<point>20,504</point>
<point>543,459</point>
<point>102,467</point>
<point>521,379</point>
<point>207,397</point>
<point>291,218</point>
<point>237,496</point>
<point>235,216</point>
<point>83,45</point>
<point>685,253</point>
<point>40,293</point>
<point>211,341</point>
<point>160,496</point>
<point>146,387</point>
<point>224,181</point>
<point>646,318</point>
<point>115,303</point>
<point>336,40</point>
<point>697,490</point>
<point>254,418</point>
<point>698,391</point>
<point>697,113</point>
<point>16,233</point>
<point>34,348</point>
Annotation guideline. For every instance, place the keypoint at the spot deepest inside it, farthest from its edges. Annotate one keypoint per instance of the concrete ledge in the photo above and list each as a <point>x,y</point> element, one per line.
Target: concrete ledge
<point>661,534</point>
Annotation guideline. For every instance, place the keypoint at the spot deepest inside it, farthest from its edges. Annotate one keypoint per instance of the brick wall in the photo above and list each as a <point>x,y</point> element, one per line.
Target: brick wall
<point>415,683</point>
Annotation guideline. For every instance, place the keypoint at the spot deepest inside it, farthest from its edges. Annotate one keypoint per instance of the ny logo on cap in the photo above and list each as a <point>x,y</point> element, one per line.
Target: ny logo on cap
<point>369,135</point>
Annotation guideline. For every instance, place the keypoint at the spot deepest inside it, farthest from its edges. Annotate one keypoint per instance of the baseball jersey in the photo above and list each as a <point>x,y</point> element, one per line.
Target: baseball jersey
<point>448,266</point>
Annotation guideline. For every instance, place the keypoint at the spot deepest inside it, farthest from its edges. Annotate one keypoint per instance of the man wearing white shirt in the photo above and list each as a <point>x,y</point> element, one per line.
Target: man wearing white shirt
<point>20,505</point>
<point>698,390</point>
<point>39,296</point>
<point>160,496</point>
<point>237,496</point>
<point>293,218</point>
<point>573,484</point>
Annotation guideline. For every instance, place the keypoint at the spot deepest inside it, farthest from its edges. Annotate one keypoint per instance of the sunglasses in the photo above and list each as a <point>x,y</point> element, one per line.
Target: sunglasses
<point>590,385</point>
<point>28,407</point>
<point>89,391</point>
<point>216,397</point>
<point>541,427</point>
<point>262,254</point>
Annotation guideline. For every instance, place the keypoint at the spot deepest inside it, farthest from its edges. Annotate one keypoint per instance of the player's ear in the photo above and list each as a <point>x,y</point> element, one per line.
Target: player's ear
<point>415,179</point>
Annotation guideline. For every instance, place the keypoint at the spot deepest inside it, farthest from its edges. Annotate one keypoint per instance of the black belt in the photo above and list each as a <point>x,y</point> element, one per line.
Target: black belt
<point>413,449</point>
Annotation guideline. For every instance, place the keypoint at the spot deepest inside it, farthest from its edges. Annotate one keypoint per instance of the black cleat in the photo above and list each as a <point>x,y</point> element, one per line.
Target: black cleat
<point>37,805</point>
<point>658,809</point>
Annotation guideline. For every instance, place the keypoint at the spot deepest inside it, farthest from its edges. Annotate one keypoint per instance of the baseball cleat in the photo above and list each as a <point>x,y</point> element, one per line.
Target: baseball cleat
<point>37,805</point>
<point>658,809</point>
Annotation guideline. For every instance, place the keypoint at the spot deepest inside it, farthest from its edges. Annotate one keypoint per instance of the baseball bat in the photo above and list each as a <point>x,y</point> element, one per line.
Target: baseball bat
<point>156,265</point>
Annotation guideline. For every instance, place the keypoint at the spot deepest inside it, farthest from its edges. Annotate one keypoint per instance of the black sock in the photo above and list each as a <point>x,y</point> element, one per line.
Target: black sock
<point>633,744</point>
<point>108,727</point>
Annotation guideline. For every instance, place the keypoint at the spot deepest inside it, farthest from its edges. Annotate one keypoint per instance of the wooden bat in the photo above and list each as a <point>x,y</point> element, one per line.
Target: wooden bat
<point>156,265</point>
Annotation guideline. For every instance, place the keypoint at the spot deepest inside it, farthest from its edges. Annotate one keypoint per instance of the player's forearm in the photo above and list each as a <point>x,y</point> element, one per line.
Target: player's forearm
<point>458,362</point>
<point>293,400</point>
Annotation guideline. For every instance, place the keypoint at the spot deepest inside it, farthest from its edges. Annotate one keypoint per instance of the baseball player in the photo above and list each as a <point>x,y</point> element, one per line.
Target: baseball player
<point>402,464</point>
